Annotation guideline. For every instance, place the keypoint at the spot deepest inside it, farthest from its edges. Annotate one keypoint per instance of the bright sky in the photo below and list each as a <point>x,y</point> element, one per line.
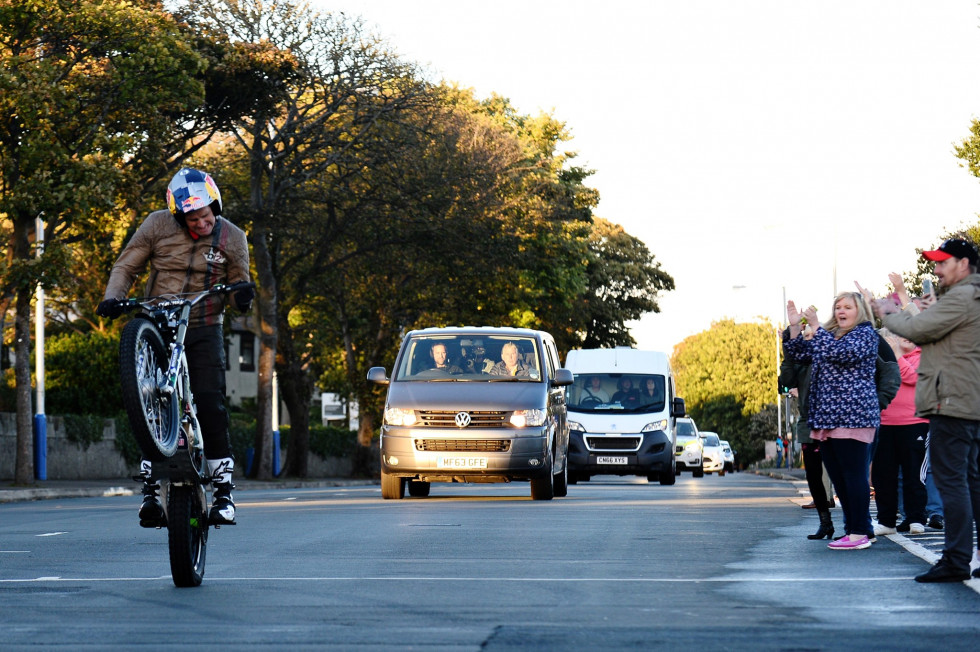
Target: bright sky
<point>754,146</point>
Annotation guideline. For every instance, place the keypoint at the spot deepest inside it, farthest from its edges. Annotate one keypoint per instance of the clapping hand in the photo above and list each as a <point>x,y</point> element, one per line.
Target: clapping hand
<point>797,319</point>
<point>810,317</point>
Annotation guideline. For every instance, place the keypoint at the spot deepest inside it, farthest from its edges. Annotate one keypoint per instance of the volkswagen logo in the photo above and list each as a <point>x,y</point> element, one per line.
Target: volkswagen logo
<point>463,419</point>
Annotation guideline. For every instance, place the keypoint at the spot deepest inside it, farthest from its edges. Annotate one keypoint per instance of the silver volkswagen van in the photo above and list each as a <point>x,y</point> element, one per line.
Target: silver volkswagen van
<point>474,404</point>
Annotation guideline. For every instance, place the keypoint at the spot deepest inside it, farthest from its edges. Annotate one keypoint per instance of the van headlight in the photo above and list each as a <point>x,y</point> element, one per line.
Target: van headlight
<point>576,426</point>
<point>656,425</point>
<point>522,418</point>
<point>399,417</point>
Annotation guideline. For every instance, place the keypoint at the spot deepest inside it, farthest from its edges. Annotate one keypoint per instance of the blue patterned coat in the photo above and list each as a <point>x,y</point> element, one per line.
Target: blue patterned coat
<point>842,379</point>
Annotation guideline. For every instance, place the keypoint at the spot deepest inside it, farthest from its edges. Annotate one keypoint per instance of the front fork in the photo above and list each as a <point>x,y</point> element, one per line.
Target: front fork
<point>178,386</point>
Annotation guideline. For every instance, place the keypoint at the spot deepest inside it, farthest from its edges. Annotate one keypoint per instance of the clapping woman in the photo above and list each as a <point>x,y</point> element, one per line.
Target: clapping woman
<point>843,410</point>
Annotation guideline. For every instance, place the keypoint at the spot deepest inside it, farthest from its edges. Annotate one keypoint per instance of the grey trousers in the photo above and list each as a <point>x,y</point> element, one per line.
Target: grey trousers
<point>954,445</point>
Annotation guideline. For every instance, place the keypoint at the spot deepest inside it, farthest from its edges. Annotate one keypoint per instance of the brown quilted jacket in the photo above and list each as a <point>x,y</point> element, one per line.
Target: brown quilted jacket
<point>179,263</point>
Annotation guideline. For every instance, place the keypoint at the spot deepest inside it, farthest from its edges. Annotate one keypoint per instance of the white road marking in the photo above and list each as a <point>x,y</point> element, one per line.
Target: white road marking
<point>558,580</point>
<point>925,554</point>
<point>50,534</point>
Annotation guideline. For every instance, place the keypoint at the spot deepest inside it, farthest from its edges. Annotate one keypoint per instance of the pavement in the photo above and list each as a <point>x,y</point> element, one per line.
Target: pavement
<point>47,489</point>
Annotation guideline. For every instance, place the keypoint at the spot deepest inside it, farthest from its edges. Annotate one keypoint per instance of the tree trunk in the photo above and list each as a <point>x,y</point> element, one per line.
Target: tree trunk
<point>267,326</point>
<point>298,403</point>
<point>297,390</point>
<point>24,464</point>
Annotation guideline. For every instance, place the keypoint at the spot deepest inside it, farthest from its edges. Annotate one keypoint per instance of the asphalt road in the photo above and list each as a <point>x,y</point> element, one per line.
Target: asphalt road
<point>712,563</point>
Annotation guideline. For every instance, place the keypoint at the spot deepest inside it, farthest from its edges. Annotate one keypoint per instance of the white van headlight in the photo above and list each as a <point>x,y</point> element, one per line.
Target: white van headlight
<point>656,425</point>
<point>576,426</point>
<point>399,417</point>
<point>522,418</point>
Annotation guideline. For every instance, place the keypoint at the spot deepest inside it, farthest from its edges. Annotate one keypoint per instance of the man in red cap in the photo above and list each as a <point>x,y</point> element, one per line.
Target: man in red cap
<point>948,395</point>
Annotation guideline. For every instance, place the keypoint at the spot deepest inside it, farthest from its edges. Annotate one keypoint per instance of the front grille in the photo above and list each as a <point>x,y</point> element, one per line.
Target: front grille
<point>613,443</point>
<point>463,445</point>
<point>447,419</point>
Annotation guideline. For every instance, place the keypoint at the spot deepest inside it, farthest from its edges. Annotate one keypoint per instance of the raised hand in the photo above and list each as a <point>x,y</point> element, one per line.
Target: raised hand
<point>810,315</point>
<point>899,284</point>
<point>795,319</point>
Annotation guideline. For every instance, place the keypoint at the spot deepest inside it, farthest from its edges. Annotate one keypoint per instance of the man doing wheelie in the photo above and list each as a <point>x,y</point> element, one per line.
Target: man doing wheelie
<point>190,247</point>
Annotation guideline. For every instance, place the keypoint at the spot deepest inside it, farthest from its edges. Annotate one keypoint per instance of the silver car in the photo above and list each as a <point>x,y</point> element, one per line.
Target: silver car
<point>729,455</point>
<point>474,405</point>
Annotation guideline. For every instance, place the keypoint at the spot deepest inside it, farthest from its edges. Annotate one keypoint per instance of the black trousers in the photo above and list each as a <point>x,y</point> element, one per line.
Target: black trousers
<point>813,463</point>
<point>205,349</point>
<point>900,447</point>
<point>954,449</point>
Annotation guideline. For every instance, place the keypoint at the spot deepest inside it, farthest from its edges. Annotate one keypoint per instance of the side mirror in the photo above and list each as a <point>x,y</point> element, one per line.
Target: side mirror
<point>563,378</point>
<point>677,408</point>
<point>377,375</point>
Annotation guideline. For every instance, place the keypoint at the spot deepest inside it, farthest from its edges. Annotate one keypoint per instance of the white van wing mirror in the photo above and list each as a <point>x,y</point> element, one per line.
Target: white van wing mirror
<point>377,375</point>
<point>677,408</point>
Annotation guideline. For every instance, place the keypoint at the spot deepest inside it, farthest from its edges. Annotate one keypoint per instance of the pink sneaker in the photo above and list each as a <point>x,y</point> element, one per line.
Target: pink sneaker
<point>858,542</point>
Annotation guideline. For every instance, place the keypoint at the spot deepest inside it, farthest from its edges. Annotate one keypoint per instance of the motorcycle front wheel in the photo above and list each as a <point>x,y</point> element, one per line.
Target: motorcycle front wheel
<point>153,414</point>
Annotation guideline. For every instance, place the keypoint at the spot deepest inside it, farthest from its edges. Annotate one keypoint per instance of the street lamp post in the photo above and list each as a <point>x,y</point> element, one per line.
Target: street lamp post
<point>40,420</point>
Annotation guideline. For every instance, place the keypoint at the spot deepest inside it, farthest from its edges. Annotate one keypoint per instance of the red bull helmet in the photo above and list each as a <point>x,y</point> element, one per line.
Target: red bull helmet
<point>190,190</point>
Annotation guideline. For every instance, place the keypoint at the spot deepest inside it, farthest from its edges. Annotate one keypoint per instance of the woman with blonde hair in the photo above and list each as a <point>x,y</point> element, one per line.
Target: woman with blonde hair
<point>843,402</point>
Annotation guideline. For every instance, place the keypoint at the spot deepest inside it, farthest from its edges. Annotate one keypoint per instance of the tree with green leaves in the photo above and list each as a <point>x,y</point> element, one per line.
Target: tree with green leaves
<point>624,283</point>
<point>420,231</point>
<point>345,81</point>
<point>726,375</point>
<point>83,85</point>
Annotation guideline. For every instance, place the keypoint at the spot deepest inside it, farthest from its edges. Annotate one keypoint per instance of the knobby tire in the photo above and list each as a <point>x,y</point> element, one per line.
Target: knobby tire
<point>187,527</point>
<point>155,418</point>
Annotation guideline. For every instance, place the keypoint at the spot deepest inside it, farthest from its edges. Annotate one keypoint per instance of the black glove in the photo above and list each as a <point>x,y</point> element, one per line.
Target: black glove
<point>110,308</point>
<point>243,299</point>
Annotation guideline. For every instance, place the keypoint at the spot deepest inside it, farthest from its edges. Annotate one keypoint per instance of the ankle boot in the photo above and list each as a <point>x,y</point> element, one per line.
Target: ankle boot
<point>151,511</point>
<point>826,528</point>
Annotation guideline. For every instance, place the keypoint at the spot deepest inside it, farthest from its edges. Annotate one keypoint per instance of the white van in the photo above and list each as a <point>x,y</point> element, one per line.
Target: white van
<point>622,413</point>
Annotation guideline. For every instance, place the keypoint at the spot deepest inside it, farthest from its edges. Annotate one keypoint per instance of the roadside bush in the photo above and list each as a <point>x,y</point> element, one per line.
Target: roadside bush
<point>326,441</point>
<point>126,442</point>
<point>241,429</point>
<point>82,374</point>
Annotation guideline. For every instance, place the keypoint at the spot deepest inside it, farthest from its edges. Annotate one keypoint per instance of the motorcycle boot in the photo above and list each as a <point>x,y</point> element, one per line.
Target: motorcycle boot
<point>151,512</point>
<point>222,502</point>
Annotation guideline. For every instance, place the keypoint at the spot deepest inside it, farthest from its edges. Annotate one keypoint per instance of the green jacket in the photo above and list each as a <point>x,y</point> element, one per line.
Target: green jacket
<point>949,334</point>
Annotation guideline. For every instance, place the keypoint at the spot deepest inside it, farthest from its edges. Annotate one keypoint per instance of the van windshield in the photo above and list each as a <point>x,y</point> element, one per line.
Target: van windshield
<point>455,358</point>
<point>637,393</point>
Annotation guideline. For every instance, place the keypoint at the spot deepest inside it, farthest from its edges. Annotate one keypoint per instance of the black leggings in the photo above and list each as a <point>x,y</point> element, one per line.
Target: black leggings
<point>900,447</point>
<point>205,348</point>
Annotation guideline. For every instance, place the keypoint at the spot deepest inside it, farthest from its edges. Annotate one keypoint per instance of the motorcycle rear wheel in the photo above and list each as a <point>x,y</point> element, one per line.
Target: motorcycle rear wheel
<point>187,528</point>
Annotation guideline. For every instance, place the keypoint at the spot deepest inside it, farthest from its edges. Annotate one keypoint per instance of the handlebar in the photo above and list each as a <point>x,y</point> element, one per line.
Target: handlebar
<point>176,300</point>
